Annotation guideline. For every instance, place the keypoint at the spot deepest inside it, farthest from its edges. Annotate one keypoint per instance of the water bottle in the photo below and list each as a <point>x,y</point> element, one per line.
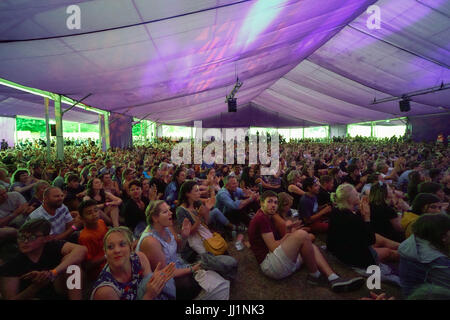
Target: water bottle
<point>239,245</point>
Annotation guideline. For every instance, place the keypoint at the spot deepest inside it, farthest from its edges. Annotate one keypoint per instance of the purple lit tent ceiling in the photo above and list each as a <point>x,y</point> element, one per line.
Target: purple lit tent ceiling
<point>308,62</point>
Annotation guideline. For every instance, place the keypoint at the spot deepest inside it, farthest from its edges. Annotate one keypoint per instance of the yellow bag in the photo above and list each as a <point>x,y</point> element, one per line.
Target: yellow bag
<point>216,245</point>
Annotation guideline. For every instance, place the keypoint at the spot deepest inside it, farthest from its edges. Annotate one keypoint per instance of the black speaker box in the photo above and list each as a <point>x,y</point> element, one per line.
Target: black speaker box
<point>404,105</point>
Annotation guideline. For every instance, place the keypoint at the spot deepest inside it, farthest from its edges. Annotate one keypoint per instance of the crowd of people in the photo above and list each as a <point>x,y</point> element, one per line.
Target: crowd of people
<point>140,227</point>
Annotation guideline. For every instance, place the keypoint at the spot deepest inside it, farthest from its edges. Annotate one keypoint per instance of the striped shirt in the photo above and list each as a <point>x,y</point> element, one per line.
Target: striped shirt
<point>59,220</point>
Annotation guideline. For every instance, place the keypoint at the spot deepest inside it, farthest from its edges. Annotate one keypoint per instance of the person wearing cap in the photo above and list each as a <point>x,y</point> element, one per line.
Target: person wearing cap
<point>39,270</point>
<point>423,203</point>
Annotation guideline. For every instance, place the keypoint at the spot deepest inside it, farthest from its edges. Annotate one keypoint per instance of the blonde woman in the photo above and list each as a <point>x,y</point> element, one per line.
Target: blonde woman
<point>127,275</point>
<point>350,235</point>
<point>160,243</point>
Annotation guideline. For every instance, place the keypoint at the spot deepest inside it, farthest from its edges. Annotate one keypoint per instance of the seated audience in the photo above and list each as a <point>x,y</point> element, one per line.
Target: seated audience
<point>106,202</point>
<point>39,270</point>
<point>53,210</point>
<point>128,275</point>
<point>160,243</point>
<point>424,256</point>
<point>423,203</point>
<point>308,208</point>
<point>92,238</point>
<point>279,257</point>
<point>350,235</point>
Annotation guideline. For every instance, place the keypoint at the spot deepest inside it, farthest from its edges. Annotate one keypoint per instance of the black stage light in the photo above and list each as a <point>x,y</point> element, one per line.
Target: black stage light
<point>232,104</point>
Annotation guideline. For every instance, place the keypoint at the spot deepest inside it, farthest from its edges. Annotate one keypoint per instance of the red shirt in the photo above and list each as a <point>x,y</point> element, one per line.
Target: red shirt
<point>259,225</point>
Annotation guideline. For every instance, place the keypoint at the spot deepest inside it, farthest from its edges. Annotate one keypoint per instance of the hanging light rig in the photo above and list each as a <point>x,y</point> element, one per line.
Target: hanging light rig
<point>230,99</point>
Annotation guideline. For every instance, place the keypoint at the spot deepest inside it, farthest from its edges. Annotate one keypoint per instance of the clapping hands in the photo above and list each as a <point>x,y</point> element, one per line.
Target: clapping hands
<point>159,280</point>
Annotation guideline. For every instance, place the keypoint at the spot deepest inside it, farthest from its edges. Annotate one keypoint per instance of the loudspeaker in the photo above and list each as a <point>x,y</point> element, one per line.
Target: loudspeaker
<point>404,105</point>
<point>232,105</point>
<point>53,130</point>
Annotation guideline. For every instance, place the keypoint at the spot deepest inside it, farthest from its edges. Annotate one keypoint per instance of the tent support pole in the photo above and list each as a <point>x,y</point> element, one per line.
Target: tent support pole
<point>47,128</point>
<point>59,129</point>
<point>107,137</point>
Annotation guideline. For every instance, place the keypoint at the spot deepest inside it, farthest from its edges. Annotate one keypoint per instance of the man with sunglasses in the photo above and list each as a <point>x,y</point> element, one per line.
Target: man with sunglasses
<point>39,270</point>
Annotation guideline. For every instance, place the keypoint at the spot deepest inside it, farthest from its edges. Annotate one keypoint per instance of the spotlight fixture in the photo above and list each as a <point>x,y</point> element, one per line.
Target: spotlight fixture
<point>230,99</point>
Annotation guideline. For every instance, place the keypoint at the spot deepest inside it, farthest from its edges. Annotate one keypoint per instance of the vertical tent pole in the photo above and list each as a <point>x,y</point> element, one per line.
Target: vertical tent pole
<point>107,137</point>
<point>101,131</point>
<point>145,129</point>
<point>47,128</point>
<point>59,128</point>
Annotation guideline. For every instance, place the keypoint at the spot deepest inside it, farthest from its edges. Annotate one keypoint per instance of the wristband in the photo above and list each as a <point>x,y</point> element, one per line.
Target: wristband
<point>74,228</point>
<point>54,274</point>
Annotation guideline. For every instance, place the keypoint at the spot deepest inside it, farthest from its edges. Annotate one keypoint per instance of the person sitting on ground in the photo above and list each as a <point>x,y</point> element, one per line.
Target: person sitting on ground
<point>354,177</point>
<point>308,207</point>
<point>108,168</point>
<point>23,183</point>
<point>173,188</point>
<point>434,188</point>
<point>211,182</point>
<point>279,257</point>
<point>387,177</point>
<point>92,238</point>
<point>326,187</point>
<point>38,191</point>
<point>295,188</point>
<point>415,178</point>
<point>424,257</point>
<point>39,270</point>
<point>158,181</point>
<point>350,235</point>
<point>230,201</point>
<point>109,185</point>
<point>423,203</point>
<point>13,208</point>
<point>189,195</point>
<point>5,180</point>
<point>128,175</point>
<point>127,275</point>
<point>73,189</point>
<point>53,210</point>
<point>134,209</point>
<point>249,179</point>
<point>383,217</point>
<point>160,243</point>
<point>61,171</point>
<point>284,221</point>
<point>106,202</point>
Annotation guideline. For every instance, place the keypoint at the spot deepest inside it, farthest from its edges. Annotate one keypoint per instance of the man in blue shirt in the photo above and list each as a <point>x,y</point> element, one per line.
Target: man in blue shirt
<point>403,180</point>
<point>308,207</point>
<point>230,201</point>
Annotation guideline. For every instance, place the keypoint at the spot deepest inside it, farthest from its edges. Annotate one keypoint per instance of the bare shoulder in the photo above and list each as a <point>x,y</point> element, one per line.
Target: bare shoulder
<point>105,293</point>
